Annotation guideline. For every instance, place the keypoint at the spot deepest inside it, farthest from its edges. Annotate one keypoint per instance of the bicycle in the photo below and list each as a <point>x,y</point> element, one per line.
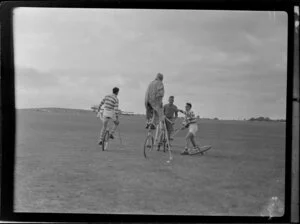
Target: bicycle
<point>150,141</point>
<point>105,141</point>
<point>163,141</point>
<point>106,137</point>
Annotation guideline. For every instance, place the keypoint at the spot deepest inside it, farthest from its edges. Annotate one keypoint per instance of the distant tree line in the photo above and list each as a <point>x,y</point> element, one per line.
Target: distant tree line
<point>95,108</point>
<point>265,119</point>
<point>206,118</point>
<point>251,119</point>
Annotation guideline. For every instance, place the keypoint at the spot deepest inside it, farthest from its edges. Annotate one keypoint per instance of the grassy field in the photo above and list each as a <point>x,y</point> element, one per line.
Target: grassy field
<point>60,168</point>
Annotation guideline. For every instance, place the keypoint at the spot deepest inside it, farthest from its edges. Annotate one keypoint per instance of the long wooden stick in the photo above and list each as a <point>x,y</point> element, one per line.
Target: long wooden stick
<point>168,142</point>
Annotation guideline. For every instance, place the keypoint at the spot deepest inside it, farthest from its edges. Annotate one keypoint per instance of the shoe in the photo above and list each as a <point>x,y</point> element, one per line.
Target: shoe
<point>152,126</point>
<point>147,126</point>
<point>185,152</point>
<point>167,146</point>
<point>111,136</point>
<point>100,142</point>
<point>158,146</point>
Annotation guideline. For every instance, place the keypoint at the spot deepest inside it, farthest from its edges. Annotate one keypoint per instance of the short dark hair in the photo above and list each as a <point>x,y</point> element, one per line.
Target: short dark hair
<point>171,97</point>
<point>115,90</point>
<point>189,104</point>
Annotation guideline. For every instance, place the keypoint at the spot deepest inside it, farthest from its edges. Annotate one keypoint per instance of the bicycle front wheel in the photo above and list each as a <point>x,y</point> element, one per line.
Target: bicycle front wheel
<point>148,146</point>
<point>105,143</point>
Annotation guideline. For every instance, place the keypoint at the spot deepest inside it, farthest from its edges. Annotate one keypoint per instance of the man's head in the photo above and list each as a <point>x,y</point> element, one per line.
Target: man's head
<point>188,106</point>
<point>171,99</point>
<point>116,90</point>
<point>159,76</point>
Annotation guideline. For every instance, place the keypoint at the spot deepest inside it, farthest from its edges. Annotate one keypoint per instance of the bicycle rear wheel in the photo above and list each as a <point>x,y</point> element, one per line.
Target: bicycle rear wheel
<point>148,146</point>
<point>164,141</point>
<point>105,143</point>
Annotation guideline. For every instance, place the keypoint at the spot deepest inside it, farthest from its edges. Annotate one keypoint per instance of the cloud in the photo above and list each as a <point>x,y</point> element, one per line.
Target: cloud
<point>32,78</point>
<point>216,59</point>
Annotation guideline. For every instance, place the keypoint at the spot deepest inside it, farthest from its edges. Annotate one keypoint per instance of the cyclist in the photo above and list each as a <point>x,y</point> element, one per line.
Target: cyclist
<point>110,111</point>
<point>153,101</point>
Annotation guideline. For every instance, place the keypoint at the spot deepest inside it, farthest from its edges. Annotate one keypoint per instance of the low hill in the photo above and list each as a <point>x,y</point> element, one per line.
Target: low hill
<point>56,110</point>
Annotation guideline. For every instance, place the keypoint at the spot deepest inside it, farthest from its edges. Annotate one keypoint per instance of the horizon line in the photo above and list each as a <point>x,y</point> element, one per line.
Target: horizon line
<point>215,117</point>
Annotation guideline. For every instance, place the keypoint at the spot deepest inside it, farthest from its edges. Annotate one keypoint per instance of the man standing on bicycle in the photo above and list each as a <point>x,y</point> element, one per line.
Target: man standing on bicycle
<point>171,113</point>
<point>110,111</point>
<point>153,101</point>
<point>191,123</point>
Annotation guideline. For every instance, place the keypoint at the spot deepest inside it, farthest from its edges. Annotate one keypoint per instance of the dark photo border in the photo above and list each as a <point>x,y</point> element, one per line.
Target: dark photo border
<point>8,112</point>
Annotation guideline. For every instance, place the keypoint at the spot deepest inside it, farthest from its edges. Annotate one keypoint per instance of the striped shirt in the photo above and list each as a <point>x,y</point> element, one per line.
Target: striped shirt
<point>111,103</point>
<point>189,117</point>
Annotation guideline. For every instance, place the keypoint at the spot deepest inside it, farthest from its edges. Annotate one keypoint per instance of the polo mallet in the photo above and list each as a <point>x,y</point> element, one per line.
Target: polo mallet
<point>120,135</point>
<point>177,131</point>
<point>168,141</point>
<point>119,132</point>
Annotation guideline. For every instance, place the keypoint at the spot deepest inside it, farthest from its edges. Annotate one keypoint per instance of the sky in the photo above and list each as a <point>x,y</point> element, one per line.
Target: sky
<point>228,64</point>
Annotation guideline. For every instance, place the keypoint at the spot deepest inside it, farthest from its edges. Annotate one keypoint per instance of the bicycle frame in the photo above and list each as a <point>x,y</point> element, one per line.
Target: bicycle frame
<point>161,125</point>
<point>167,137</point>
<point>109,125</point>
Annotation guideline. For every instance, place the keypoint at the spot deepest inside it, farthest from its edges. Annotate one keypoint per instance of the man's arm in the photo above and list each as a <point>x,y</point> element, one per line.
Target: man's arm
<point>176,113</point>
<point>160,90</point>
<point>117,112</point>
<point>182,111</point>
<point>165,108</point>
<point>147,96</point>
<point>116,108</point>
<point>101,103</point>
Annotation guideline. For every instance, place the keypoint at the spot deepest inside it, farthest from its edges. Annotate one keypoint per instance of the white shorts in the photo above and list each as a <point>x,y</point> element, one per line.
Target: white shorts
<point>106,114</point>
<point>193,128</point>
